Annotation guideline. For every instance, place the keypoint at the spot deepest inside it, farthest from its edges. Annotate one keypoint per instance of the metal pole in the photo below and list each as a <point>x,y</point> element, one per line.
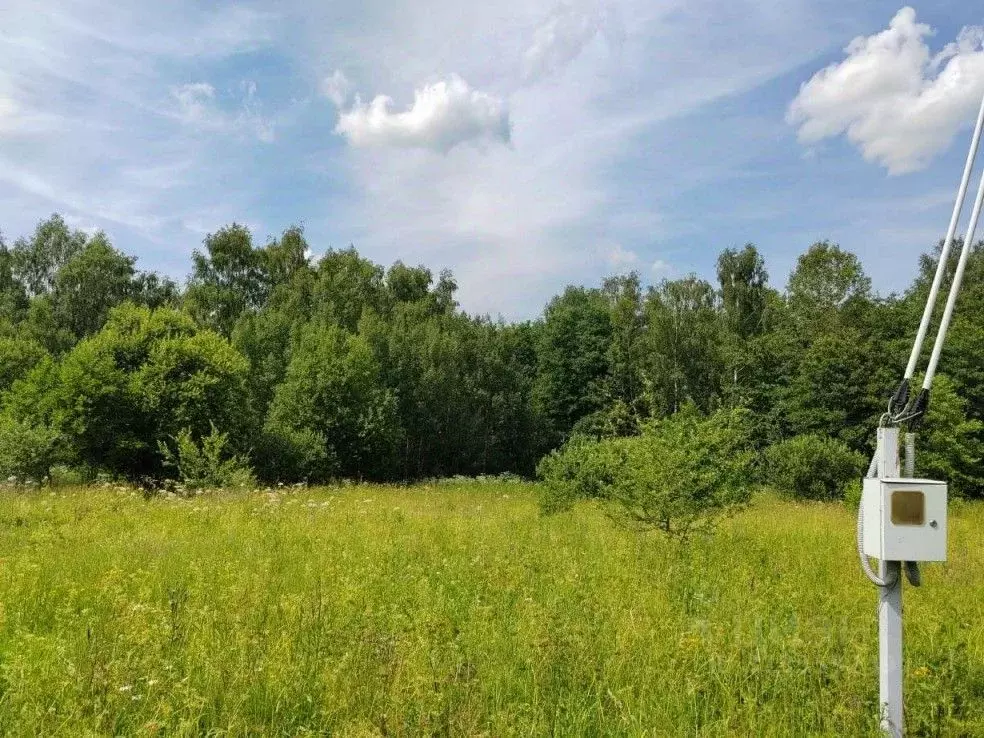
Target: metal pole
<point>890,610</point>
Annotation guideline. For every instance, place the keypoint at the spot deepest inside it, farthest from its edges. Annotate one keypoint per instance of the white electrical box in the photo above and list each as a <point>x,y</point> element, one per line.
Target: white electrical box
<point>904,519</point>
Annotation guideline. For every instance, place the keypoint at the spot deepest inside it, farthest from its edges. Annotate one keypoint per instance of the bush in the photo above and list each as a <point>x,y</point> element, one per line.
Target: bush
<point>678,477</point>
<point>27,451</point>
<point>285,453</point>
<point>139,381</point>
<point>206,464</point>
<point>812,467</point>
<point>584,468</point>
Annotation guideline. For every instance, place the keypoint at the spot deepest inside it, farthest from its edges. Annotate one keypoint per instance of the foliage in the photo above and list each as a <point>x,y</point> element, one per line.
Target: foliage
<point>17,357</point>
<point>681,474</point>
<point>89,284</point>
<point>584,468</point>
<point>949,445</point>
<point>743,283</point>
<point>36,261</point>
<point>684,472</point>
<point>27,451</point>
<point>332,390</point>
<point>812,467</point>
<point>826,280</point>
<point>573,359</point>
<point>335,366</point>
<point>144,377</point>
<point>206,463</point>
<point>685,346</point>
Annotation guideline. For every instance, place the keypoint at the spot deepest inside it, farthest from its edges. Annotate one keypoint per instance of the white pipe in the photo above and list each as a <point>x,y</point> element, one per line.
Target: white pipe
<point>954,288</point>
<point>975,140</point>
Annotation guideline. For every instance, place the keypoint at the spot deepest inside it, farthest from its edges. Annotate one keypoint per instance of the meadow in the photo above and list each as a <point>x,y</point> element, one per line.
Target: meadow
<point>457,609</point>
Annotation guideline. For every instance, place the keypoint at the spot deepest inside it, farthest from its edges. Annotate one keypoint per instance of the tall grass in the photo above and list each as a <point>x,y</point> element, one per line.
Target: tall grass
<point>458,610</point>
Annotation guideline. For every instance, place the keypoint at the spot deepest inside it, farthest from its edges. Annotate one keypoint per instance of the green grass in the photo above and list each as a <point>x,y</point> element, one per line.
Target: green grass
<point>458,610</point>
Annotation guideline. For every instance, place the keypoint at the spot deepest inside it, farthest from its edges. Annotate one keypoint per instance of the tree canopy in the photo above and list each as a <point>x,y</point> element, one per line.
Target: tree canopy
<point>319,368</point>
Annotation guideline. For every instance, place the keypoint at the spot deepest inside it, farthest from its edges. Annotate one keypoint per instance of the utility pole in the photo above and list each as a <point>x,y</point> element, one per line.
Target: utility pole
<point>903,520</point>
<point>890,610</point>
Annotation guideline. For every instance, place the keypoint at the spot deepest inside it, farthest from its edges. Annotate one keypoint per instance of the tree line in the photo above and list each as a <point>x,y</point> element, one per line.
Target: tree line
<point>314,369</point>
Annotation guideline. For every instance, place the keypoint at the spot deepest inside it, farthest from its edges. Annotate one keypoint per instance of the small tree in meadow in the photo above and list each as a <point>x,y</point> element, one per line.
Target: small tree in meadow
<point>684,473</point>
<point>678,477</point>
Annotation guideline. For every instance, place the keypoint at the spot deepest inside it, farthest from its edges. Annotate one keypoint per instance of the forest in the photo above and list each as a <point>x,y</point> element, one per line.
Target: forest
<point>270,365</point>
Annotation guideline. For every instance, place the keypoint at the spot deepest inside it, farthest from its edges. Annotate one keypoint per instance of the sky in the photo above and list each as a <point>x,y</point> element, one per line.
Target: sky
<point>523,144</point>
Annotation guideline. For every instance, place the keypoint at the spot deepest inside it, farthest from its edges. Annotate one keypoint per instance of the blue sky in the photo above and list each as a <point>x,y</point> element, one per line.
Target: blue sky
<point>522,144</point>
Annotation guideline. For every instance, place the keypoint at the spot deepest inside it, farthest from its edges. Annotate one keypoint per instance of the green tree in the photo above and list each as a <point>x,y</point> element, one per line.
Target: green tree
<point>37,260</point>
<point>685,345</point>
<point>827,280</point>
<point>948,444</point>
<point>346,286</point>
<point>333,390</point>
<point>89,284</point>
<point>227,280</point>
<point>677,477</point>
<point>573,369</point>
<point>13,296</point>
<point>18,356</point>
<point>627,350</point>
<point>142,379</point>
<point>743,282</point>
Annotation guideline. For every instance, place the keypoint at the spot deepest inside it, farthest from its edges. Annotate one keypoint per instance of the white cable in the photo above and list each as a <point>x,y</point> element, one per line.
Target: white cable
<point>865,563</point>
<point>947,243</point>
<point>951,300</point>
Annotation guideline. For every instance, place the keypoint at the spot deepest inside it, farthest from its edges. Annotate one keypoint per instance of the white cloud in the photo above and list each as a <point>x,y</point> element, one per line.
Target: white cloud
<point>8,113</point>
<point>896,101</point>
<point>195,103</point>
<point>661,268</point>
<point>198,107</point>
<point>619,257</point>
<point>443,115</point>
<point>337,88</point>
<point>590,158</point>
<point>560,39</point>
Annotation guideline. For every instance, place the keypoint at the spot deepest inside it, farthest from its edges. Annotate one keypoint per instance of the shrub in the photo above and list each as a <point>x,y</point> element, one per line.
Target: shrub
<point>27,451</point>
<point>139,381</point>
<point>583,468</point>
<point>684,472</point>
<point>812,467</point>
<point>206,463</point>
<point>678,477</point>
<point>285,453</point>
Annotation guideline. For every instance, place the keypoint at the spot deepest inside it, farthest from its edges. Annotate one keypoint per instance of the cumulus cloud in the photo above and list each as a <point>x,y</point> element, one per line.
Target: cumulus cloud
<point>895,100</point>
<point>560,39</point>
<point>337,88</point>
<point>443,115</point>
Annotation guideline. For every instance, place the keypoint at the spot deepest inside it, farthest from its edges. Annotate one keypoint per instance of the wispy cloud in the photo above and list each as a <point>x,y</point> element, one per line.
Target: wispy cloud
<point>337,88</point>
<point>511,139</point>
<point>561,38</point>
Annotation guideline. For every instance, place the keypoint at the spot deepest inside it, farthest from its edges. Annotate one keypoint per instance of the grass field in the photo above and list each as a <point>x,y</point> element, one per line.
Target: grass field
<point>457,610</point>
